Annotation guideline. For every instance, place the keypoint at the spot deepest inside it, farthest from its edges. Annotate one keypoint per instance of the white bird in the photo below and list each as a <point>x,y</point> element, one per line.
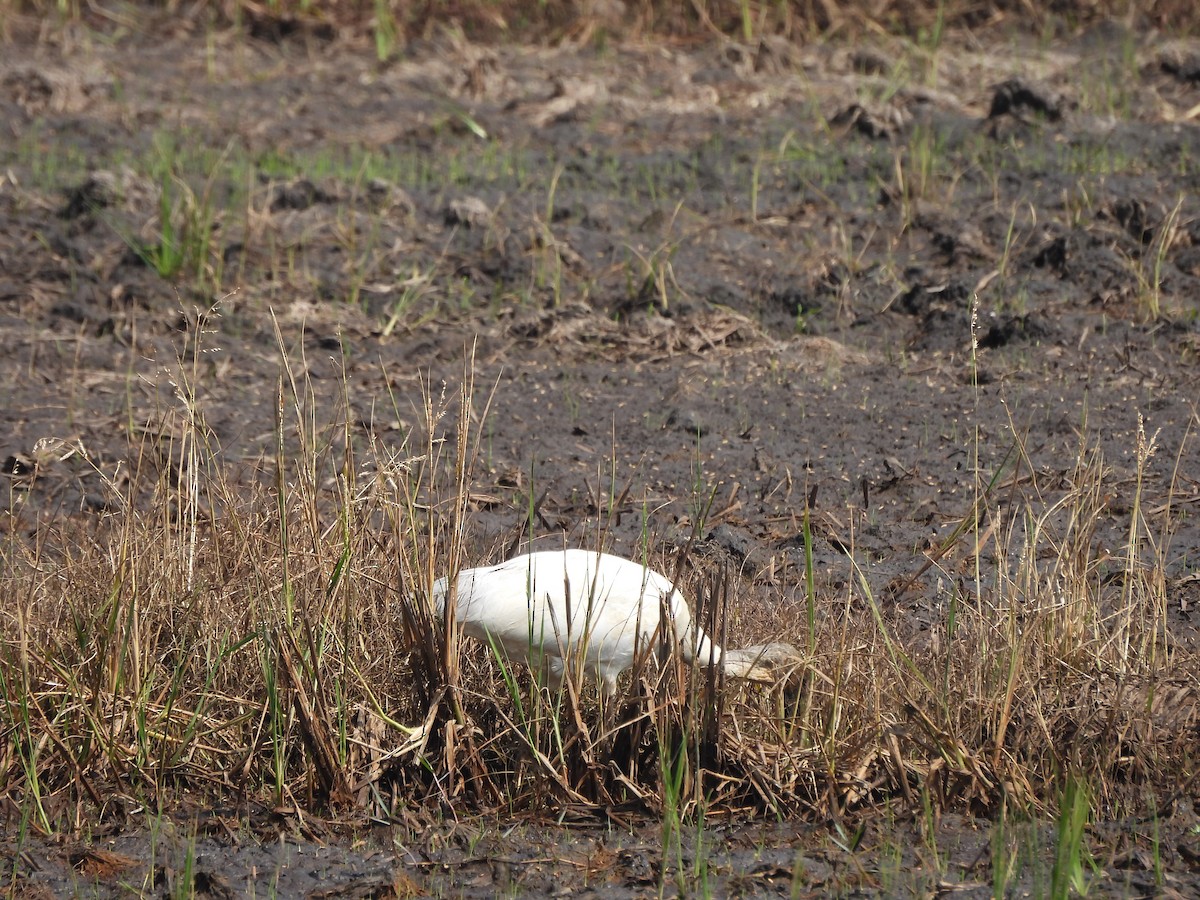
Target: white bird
<point>560,608</point>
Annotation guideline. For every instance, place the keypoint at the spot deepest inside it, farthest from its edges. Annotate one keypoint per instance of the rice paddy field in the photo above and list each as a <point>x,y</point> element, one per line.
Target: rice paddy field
<point>875,326</point>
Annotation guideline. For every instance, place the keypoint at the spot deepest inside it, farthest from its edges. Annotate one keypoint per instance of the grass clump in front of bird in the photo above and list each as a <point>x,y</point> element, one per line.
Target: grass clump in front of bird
<point>268,629</point>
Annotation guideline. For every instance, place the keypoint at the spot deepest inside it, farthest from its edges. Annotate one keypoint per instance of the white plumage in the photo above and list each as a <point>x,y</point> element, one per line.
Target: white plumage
<point>556,608</point>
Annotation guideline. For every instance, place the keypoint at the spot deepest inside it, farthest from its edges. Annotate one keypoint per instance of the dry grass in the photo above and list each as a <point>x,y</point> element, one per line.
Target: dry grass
<point>268,634</point>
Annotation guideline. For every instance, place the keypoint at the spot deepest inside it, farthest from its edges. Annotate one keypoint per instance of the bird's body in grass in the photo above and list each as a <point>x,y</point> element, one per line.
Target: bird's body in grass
<point>560,608</point>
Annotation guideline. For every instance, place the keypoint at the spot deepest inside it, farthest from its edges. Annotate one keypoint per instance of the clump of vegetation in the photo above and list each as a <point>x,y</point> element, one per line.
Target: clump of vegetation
<point>269,631</point>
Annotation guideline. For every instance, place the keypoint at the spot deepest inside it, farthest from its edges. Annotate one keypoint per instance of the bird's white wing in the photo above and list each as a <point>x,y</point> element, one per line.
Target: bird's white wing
<point>568,603</point>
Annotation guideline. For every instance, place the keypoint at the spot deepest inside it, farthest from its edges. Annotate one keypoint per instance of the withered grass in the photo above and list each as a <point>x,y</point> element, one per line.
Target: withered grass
<point>265,632</point>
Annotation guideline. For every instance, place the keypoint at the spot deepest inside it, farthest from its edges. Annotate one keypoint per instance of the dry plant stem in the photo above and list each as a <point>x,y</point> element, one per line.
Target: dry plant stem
<point>458,728</point>
<point>966,523</point>
<point>313,721</point>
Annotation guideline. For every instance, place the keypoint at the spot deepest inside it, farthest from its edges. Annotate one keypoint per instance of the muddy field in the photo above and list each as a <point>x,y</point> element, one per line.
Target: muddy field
<point>707,281</point>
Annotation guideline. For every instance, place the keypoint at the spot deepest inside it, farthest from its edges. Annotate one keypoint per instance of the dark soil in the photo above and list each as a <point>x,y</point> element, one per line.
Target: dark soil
<point>222,857</point>
<point>745,272</point>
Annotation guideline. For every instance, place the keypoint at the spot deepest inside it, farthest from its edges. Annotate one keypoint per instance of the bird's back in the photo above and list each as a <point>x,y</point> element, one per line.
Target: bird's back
<point>551,604</point>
